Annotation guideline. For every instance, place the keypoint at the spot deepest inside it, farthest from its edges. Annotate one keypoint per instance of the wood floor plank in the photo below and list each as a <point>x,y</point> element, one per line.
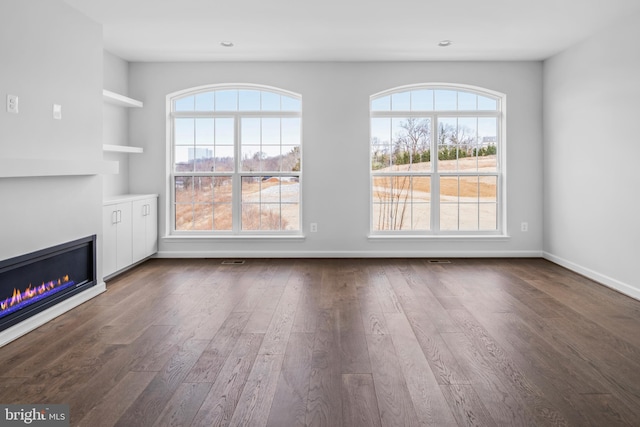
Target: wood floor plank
<point>79,363</point>
<point>606,410</point>
<point>416,296</point>
<point>290,400</point>
<point>78,334</point>
<point>499,401</point>
<point>540,353</point>
<point>393,397</point>
<point>566,350</point>
<point>263,312</point>
<point>184,405</point>
<point>327,289</point>
<point>255,401</point>
<point>91,389</point>
<point>160,353</point>
<point>578,296</point>
<point>427,397</point>
<point>372,315</point>
<point>149,404</point>
<point>306,318</point>
<point>115,403</point>
<point>257,280</point>
<point>466,406</point>
<point>222,399</point>
<point>8,387</point>
<point>277,333</point>
<point>532,345</point>
<point>324,404</point>
<point>360,407</point>
<point>590,329</point>
<point>537,401</point>
<point>354,352</point>
<point>205,318</point>
<point>386,296</point>
<point>440,358</point>
<point>210,363</point>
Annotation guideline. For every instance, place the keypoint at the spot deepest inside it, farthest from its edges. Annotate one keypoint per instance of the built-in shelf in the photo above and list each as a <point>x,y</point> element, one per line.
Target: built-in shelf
<point>22,168</point>
<point>121,100</point>
<point>122,149</point>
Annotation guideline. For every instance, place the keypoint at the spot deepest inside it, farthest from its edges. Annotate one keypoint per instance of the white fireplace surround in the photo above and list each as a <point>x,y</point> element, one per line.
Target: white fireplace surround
<point>26,168</point>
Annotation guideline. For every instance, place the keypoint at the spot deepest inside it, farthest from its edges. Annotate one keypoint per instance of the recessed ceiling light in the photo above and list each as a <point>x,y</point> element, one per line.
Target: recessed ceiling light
<point>444,43</point>
<point>226,44</point>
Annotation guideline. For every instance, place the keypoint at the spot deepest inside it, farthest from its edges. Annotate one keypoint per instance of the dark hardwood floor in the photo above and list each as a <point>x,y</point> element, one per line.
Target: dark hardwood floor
<point>340,342</point>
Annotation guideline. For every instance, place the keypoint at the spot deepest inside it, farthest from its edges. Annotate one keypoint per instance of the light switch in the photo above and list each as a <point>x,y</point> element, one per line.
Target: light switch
<point>57,111</point>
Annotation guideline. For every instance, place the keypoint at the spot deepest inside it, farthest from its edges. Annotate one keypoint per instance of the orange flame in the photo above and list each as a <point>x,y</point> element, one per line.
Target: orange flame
<point>31,292</point>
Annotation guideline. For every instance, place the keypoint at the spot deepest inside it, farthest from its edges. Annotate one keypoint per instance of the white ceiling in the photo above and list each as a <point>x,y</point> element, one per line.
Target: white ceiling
<point>348,30</point>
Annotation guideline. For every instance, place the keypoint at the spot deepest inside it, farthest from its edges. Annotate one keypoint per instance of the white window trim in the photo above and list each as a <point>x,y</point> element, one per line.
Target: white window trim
<point>501,173</point>
<point>236,232</point>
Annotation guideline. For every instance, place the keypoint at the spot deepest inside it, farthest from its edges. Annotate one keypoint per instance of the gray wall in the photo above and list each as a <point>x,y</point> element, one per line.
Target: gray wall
<point>49,53</point>
<point>336,151</point>
<point>591,153</point>
<point>115,123</point>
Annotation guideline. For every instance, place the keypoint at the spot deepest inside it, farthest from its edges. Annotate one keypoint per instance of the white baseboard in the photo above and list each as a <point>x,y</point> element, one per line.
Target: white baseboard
<point>28,325</point>
<point>607,281</point>
<point>349,254</point>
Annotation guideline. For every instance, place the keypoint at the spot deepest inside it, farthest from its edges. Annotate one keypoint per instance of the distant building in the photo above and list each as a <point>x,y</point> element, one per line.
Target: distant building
<point>199,153</point>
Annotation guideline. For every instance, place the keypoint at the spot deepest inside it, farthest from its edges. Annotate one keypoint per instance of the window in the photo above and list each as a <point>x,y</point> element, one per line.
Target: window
<point>235,160</point>
<point>436,161</point>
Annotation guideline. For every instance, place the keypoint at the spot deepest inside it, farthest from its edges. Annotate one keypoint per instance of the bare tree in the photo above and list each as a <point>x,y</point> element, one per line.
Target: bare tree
<point>458,138</point>
<point>414,138</point>
<point>411,145</point>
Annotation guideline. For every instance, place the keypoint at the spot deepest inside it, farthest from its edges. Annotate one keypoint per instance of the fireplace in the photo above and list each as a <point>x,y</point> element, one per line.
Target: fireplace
<point>34,282</point>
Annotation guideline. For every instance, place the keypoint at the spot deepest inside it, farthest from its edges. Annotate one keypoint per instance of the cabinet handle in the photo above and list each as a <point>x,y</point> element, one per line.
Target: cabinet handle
<point>114,217</point>
<point>119,215</point>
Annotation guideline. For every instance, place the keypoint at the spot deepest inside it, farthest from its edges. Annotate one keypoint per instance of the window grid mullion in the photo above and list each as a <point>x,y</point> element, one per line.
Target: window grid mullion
<point>461,142</point>
<point>236,184</point>
<point>237,174</point>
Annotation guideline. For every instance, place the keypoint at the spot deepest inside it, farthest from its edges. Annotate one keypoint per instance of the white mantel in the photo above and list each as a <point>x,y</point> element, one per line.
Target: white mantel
<point>16,168</point>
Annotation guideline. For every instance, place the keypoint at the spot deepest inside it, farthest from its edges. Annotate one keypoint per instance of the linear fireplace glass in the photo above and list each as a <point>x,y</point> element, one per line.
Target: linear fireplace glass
<point>33,282</point>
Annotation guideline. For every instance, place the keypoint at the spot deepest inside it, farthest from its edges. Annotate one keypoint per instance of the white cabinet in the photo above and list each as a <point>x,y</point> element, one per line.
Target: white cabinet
<point>117,234</point>
<point>145,228</point>
<point>130,231</point>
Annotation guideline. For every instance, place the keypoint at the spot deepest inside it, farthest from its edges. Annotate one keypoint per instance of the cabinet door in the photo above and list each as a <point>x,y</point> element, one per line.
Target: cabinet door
<point>145,228</point>
<point>109,239</point>
<point>124,235</point>
<point>152,226</point>
<point>139,235</point>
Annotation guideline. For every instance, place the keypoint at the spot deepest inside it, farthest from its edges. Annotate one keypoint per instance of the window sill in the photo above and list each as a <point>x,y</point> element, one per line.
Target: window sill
<point>451,237</point>
<point>234,237</point>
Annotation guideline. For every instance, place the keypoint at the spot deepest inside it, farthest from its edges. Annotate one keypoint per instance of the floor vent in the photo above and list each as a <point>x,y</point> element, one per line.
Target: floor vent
<point>439,261</point>
<point>233,262</point>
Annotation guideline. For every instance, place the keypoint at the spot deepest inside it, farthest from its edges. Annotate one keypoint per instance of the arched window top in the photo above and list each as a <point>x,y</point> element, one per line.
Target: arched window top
<point>236,98</point>
<point>435,98</point>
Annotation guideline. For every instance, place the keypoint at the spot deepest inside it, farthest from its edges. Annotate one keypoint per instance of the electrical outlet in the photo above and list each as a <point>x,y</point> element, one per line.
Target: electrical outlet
<point>524,226</point>
<point>313,227</point>
<point>12,104</point>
